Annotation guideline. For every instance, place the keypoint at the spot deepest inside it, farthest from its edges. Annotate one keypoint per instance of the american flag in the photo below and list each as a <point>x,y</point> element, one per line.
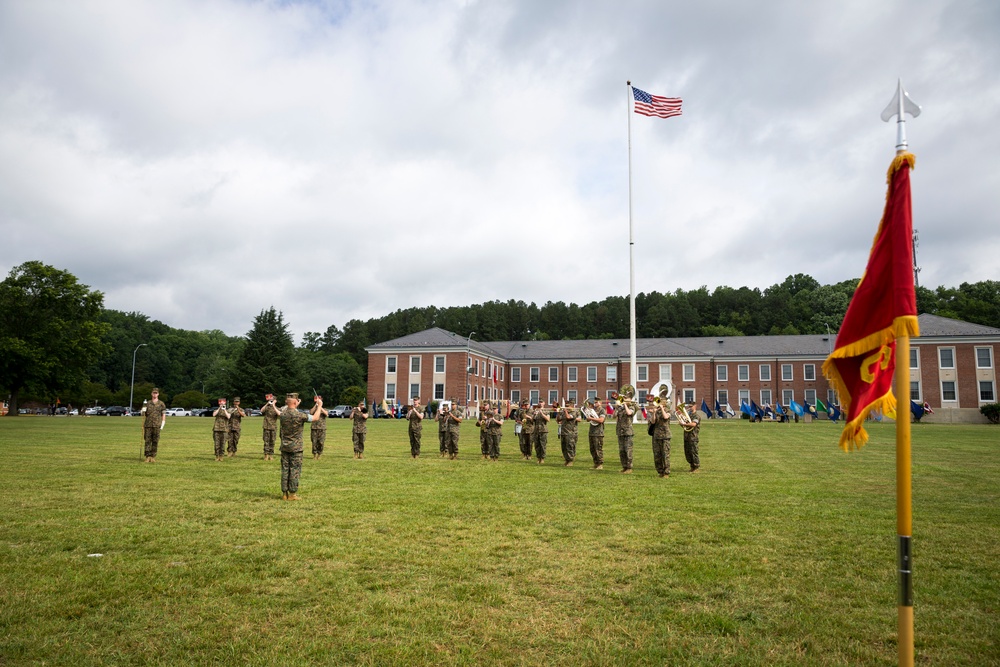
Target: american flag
<point>655,105</point>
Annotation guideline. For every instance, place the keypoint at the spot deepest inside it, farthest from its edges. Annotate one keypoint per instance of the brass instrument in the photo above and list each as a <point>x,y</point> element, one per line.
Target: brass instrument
<point>685,419</point>
<point>661,393</point>
<point>589,413</point>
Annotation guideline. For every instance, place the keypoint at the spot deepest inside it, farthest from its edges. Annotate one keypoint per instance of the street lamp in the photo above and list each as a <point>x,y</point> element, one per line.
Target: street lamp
<point>131,391</point>
<point>468,368</point>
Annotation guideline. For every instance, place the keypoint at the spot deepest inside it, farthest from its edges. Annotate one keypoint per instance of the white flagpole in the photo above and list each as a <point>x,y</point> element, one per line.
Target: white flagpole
<point>631,246</point>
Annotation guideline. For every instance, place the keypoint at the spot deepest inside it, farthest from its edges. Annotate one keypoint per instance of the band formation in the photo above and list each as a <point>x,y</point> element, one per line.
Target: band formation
<point>531,426</point>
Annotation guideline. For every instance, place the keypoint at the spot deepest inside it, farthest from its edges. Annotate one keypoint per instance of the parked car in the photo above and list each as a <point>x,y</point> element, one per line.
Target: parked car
<point>197,412</point>
<point>340,411</point>
<point>96,410</point>
<point>254,412</point>
<point>116,411</point>
<point>178,412</point>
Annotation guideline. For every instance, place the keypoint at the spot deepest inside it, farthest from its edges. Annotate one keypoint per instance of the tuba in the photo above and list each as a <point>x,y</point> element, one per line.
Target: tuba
<point>589,413</point>
<point>662,392</point>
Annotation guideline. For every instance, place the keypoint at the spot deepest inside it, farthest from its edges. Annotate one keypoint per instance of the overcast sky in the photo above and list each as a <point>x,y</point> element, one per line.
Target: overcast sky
<point>202,160</point>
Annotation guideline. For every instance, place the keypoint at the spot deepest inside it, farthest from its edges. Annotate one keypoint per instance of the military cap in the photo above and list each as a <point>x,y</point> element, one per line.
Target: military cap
<point>292,394</point>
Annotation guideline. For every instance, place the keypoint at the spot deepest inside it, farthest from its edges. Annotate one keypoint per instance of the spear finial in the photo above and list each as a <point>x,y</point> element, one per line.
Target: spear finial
<point>901,104</point>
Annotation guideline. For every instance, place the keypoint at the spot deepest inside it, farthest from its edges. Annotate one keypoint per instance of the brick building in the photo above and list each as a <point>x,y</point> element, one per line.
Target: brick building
<point>953,368</point>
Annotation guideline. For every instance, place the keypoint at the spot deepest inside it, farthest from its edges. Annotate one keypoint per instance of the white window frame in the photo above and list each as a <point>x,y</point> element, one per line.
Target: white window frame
<point>689,395</point>
<point>515,396</point>
<point>415,362</point>
<point>787,396</point>
<point>787,377</point>
<point>390,365</point>
<point>571,395</point>
<point>722,373</point>
<point>439,391</point>
<point>390,391</point>
<point>611,374</point>
<point>667,372</point>
<point>743,372</point>
<point>533,397</point>
<point>591,394</point>
<point>764,372</point>
<point>831,397</point>
<point>941,361</point>
<point>807,370</point>
<point>642,396</point>
<point>500,372</point>
<point>515,374</point>
<point>535,374</point>
<point>989,356</point>
<point>609,394</point>
<point>642,372</point>
<point>915,384</point>
<point>685,375</point>
<point>993,391</point>
<point>553,397</point>
<point>744,395</point>
<point>440,360</point>
<point>915,357</point>
<point>954,385</point>
<point>475,367</point>
<point>591,373</point>
<point>722,396</point>
<point>765,397</point>
<point>414,390</point>
<point>571,374</point>
<point>553,374</point>
<point>810,396</point>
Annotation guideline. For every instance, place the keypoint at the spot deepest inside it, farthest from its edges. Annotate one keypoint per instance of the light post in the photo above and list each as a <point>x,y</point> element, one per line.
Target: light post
<point>468,368</point>
<point>131,391</point>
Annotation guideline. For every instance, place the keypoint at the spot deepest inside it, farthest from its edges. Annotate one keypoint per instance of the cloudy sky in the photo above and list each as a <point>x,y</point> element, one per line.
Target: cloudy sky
<point>201,160</point>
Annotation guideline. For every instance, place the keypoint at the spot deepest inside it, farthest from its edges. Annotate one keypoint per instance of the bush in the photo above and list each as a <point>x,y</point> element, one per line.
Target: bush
<point>992,412</point>
<point>352,395</point>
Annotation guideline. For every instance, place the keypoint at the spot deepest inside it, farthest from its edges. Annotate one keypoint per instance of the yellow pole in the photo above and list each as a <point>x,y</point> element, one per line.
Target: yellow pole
<point>904,515</point>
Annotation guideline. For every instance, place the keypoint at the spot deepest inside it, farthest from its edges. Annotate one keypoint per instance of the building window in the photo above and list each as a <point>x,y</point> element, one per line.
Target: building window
<point>390,364</point>
<point>439,391</point>
<point>831,397</point>
<point>390,391</point>
<point>809,372</point>
<point>744,396</point>
<point>475,366</point>
<point>500,370</point>
<point>689,395</point>
<point>533,397</point>
<point>611,375</point>
<point>765,397</point>
<point>642,396</point>
<point>515,374</point>
<point>984,357</point>
<point>666,372</point>
<point>986,393</point>
<point>553,397</point>
<point>591,373</point>
<point>468,393</point>
<point>591,394</point>
<point>743,373</point>
<point>414,390</point>
<point>688,373</point>
<point>947,356</point>
<point>515,395</point>
<point>534,374</point>
<point>642,372</point>
<point>810,396</point>
<point>765,372</point>
<point>571,374</point>
<point>721,372</point>
<point>787,396</point>
<point>571,396</point>
<point>914,357</point>
<point>722,397</point>
<point>610,395</point>
<point>948,392</point>
<point>914,390</point>
<point>553,374</point>
<point>439,364</point>
<point>414,364</point>
<point>786,372</point>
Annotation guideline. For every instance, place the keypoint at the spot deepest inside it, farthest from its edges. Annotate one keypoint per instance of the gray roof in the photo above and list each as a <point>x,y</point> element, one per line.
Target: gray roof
<point>818,346</point>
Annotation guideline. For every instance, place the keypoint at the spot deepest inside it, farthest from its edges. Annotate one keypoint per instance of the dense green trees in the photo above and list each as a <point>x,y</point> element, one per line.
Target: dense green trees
<point>267,363</point>
<point>50,332</point>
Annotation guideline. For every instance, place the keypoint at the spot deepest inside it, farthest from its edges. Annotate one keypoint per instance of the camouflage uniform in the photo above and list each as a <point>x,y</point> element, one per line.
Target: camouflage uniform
<point>415,429</point>
<point>291,448</point>
<point>661,441</point>
<point>568,433</point>
<point>454,429</point>
<point>484,438</point>
<point>527,430</point>
<point>494,430</point>
<point>220,431</point>
<point>151,425</point>
<point>691,446</point>
<point>623,428</point>
<point>270,414</point>
<point>235,427</point>
<point>442,420</point>
<point>541,436</point>
<point>359,431</point>
<point>317,432</point>
<point>596,437</point>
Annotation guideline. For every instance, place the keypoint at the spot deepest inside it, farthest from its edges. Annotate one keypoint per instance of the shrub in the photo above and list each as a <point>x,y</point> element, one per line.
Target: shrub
<point>992,412</point>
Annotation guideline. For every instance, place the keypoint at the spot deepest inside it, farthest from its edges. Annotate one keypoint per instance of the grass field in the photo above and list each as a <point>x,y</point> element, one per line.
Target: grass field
<point>782,552</point>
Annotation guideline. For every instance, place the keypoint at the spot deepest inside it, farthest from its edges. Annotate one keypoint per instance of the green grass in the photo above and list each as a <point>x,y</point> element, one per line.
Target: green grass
<point>781,553</point>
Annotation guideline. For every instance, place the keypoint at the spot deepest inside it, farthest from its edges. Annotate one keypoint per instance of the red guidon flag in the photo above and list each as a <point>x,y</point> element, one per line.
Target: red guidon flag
<point>884,307</point>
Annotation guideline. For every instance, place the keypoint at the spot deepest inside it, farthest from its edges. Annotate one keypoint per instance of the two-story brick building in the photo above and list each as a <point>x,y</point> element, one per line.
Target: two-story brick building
<point>952,368</point>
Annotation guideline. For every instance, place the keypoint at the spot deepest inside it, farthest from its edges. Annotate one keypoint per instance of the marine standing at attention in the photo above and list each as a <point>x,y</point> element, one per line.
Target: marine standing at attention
<point>568,419</point>
<point>156,417</point>
<point>454,420</point>
<point>270,414</point>
<point>415,419</point>
<point>442,420</point>
<point>691,444</point>
<point>623,428</point>
<point>236,416</point>
<point>317,432</point>
<point>220,429</point>
<point>484,448</point>
<point>291,443</point>
<point>596,435</point>
<point>526,420</point>
<point>360,429</point>
<point>541,436</point>
<point>659,418</point>
<point>494,431</point>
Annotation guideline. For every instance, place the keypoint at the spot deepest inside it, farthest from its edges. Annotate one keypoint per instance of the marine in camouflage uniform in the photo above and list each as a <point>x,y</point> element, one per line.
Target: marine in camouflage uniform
<point>220,429</point>
<point>484,447</point>
<point>540,438</point>
<point>415,426</point>
<point>623,428</point>
<point>660,419</point>
<point>292,421</point>
<point>442,420</point>
<point>568,419</point>
<point>596,436</point>
<point>454,420</point>
<point>317,430</point>
<point>527,421</point>
<point>494,431</point>
<point>270,414</point>
<point>236,416</point>
<point>156,417</point>
<point>691,445</point>
<point>360,429</point>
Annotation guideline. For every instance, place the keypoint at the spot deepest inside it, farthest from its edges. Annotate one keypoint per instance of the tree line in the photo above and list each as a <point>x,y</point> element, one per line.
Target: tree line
<point>57,341</point>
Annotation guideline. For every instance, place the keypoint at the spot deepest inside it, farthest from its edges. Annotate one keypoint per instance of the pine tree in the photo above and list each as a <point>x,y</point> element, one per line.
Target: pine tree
<point>268,363</point>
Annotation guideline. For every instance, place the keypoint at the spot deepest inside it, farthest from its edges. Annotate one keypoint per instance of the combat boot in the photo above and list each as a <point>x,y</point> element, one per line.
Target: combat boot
<point>293,496</point>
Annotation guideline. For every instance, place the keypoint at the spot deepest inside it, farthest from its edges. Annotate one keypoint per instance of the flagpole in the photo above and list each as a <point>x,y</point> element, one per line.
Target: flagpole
<point>631,245</point>
<point>904,508</point>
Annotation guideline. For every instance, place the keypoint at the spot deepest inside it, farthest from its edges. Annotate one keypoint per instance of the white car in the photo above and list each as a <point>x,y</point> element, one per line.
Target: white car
<point>177,412</point>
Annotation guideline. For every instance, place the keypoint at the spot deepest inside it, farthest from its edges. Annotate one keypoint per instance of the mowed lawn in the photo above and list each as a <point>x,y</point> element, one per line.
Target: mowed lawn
<point>782,552</point>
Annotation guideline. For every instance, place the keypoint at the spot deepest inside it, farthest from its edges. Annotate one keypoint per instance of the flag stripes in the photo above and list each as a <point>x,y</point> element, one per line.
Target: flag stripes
<point>655,105</point>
